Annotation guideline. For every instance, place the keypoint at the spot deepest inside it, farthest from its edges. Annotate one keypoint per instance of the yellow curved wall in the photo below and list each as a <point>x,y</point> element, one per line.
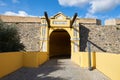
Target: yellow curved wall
<point>30,59</point>
<point>81,58</point>
<point>42,57</point>
<point>107,63</point>
<point>11,61</point>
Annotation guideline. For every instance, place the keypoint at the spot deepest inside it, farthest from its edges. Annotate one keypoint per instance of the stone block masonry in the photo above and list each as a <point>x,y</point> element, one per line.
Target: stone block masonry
<point>30,35</point>
<point>102,38</point>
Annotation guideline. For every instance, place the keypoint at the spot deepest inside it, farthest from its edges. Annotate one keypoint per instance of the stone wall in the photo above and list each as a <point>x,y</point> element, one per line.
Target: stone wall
<point>112,22</point>
<point>28,28</point>
<point>102,38</point>
<point>29,35</point>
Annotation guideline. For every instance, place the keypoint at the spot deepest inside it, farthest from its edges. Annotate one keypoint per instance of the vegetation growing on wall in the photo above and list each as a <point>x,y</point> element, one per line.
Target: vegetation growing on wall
<point>9,38</point>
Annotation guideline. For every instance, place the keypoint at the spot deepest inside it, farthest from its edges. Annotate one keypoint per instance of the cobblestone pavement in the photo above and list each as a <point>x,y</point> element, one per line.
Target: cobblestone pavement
<point>56,69</point>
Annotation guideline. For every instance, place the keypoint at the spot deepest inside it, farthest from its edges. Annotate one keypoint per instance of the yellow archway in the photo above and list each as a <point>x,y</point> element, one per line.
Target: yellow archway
<point>59,43</point>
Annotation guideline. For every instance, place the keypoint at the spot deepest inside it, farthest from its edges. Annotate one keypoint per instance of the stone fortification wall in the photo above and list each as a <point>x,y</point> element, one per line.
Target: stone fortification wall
<point>29,35</point>
<point>19,19</point>
<point>102,38</point>
<point>112,22</point>
<point>28,28</point>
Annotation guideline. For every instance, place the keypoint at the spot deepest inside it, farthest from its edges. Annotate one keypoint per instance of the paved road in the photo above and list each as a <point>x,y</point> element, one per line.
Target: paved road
<point>56,69</point>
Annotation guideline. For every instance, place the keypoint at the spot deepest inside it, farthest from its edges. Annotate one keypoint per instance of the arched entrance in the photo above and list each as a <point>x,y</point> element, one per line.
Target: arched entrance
<point>59,44</point>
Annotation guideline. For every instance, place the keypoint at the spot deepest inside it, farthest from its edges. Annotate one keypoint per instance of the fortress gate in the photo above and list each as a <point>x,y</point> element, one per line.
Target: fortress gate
<point>59,35</point>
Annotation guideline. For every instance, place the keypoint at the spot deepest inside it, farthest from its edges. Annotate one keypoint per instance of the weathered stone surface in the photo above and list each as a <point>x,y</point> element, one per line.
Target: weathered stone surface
<point>30,35</point>
<point>102,38</point>
<point>13,19</point>
<point>112,22</point>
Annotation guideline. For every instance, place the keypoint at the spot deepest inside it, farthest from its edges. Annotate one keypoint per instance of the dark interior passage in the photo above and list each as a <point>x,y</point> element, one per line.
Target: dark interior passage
<point>60,45</point>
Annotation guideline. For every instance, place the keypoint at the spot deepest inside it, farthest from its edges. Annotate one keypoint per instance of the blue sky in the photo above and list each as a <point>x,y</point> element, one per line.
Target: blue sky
<point>101,9</point>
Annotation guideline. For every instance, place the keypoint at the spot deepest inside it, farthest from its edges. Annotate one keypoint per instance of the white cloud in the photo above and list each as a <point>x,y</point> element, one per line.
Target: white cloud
<point>77,3</point>
<point>20,13</point>
<point>95,5</point>
<point>102,5</point>
<point>2,3</point>
<point>15,1</point>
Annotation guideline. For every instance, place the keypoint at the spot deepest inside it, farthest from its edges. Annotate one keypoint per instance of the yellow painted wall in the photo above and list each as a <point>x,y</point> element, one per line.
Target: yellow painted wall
<point>84,59</point>
<point>109,64</point>
<point>76,58</point>
<point>10,62</point>
<point>30,59</point>
<point>42,57</point>
<point>81,58</point>
<point>34,59</point>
